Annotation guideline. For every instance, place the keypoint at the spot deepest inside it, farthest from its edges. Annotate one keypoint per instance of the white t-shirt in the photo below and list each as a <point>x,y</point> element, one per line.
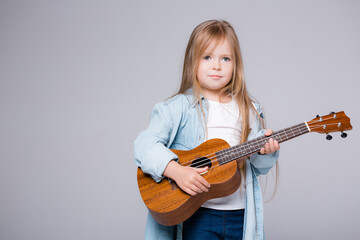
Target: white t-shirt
<point>224,122</point>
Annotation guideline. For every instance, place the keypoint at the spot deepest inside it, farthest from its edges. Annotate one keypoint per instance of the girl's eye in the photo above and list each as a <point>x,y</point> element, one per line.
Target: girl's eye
<point>207,58</point>
<point>226,59</point>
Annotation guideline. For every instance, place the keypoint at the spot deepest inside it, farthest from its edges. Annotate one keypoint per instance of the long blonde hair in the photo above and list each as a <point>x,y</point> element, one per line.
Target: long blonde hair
<point>202,36</point>
<point>200,39</point>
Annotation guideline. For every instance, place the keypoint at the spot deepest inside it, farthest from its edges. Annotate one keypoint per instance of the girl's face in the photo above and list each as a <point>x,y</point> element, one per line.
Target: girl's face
<point>215,69</point>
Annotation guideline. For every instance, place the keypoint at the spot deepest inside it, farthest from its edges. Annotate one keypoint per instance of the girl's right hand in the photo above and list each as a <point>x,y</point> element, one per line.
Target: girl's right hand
<point>187,178</point>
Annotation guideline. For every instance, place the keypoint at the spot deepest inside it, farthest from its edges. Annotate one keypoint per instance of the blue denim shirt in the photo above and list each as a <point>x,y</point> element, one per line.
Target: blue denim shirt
<point>178,124</point>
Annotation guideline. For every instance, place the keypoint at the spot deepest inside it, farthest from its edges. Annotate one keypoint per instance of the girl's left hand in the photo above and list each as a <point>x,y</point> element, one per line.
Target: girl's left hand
<point>271,146</point>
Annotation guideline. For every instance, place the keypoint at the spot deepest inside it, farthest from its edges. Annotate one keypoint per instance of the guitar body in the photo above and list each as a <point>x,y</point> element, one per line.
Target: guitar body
<point>169,205</point>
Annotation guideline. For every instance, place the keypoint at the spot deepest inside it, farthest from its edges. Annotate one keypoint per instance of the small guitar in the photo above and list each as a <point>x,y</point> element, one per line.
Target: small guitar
<point>169,205</point>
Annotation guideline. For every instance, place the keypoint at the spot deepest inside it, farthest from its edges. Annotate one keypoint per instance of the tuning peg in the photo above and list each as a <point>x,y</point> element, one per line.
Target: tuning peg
<point>331,112</point>
<point>328,137</point>
<point>343,135</point>
<point>318,116</point>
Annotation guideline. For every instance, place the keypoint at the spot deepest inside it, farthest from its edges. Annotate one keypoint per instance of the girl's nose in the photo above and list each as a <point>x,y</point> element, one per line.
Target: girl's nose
<point>216,65</point>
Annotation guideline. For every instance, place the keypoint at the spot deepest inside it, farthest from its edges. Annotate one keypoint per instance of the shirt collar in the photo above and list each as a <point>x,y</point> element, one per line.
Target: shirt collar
<point>191,96</point>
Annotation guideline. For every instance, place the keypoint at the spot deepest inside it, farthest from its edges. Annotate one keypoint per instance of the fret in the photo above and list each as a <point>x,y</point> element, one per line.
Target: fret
<point>298,129</point>
<point>254,145</point>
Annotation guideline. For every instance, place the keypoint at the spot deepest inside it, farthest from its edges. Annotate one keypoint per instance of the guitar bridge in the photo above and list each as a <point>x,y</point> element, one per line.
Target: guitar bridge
<point>173,184</point>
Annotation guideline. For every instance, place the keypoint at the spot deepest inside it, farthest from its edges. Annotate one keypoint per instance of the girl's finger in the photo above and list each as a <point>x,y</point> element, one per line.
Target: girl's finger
<point>271,145</point>
<point>267,148</point>
<point>262,151</point>
<point>197,187</point>
<point>201,170</point>
<point>268,132</point>
<point>190,191</point>
<point>201,187</point>
<point>203,183</point>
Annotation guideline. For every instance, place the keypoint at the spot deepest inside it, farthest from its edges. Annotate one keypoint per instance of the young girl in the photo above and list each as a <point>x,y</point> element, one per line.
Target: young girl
<point>212,103</point>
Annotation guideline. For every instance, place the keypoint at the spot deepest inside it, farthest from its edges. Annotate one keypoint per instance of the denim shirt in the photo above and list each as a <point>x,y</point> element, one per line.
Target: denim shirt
<point>178,124</point>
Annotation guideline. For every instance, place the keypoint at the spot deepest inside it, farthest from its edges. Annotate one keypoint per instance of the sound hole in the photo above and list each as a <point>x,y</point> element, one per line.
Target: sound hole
<point>201,162</point>
<point>198,163</point>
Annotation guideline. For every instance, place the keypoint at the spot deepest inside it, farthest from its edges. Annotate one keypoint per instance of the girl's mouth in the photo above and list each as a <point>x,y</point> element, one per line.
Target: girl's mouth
<point>215,76</point>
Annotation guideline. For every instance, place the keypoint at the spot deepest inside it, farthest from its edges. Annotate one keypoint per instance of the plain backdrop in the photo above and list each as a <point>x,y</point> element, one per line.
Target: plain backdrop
<point>78,80</point>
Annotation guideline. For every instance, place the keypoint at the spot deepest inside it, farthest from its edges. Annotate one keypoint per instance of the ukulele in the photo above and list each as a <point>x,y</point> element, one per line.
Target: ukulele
<point>169,205</point>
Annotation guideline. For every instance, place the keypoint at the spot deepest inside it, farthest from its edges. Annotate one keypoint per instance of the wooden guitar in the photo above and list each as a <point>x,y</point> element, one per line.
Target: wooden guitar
<point>169,205</point>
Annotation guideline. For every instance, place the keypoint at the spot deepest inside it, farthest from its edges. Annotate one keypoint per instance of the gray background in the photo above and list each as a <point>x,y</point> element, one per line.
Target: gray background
<point>78,80</point>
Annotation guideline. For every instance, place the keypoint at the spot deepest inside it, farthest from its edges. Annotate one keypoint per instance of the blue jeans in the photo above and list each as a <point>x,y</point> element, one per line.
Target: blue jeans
<point>212,224</point>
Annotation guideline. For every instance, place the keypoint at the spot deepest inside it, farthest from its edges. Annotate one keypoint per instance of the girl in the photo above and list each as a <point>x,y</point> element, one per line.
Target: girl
<point>212,103</point>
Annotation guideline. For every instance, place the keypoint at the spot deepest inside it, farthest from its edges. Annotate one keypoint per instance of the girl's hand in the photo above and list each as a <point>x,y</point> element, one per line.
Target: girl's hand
<point>187,178</point>
<point>271,146</point>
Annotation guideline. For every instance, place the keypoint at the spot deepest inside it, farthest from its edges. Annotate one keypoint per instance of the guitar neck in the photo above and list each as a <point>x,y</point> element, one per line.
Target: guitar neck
<point>254,145</point>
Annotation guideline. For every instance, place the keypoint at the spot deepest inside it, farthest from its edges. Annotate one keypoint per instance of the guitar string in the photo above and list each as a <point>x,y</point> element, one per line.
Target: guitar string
<point>290,128</point>
<point>262,140</point>
<point>219,156</point>
<point>245,146</point>
<point>283,130</point>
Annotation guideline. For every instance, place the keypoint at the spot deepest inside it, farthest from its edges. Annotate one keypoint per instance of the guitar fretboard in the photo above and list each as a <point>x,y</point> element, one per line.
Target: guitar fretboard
<point>254,145</point>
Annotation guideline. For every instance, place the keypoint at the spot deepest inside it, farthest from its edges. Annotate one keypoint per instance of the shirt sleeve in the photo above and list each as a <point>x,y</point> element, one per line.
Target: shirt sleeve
<point>262,163</point>
<point>150,147</point>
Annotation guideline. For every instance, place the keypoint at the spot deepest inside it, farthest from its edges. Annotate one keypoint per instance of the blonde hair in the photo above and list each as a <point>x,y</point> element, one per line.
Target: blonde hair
<point>200,39</point>
<point>202,36</point>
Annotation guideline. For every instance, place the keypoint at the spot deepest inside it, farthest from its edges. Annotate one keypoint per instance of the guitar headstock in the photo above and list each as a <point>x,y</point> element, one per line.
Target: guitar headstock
<point>333,122</point>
